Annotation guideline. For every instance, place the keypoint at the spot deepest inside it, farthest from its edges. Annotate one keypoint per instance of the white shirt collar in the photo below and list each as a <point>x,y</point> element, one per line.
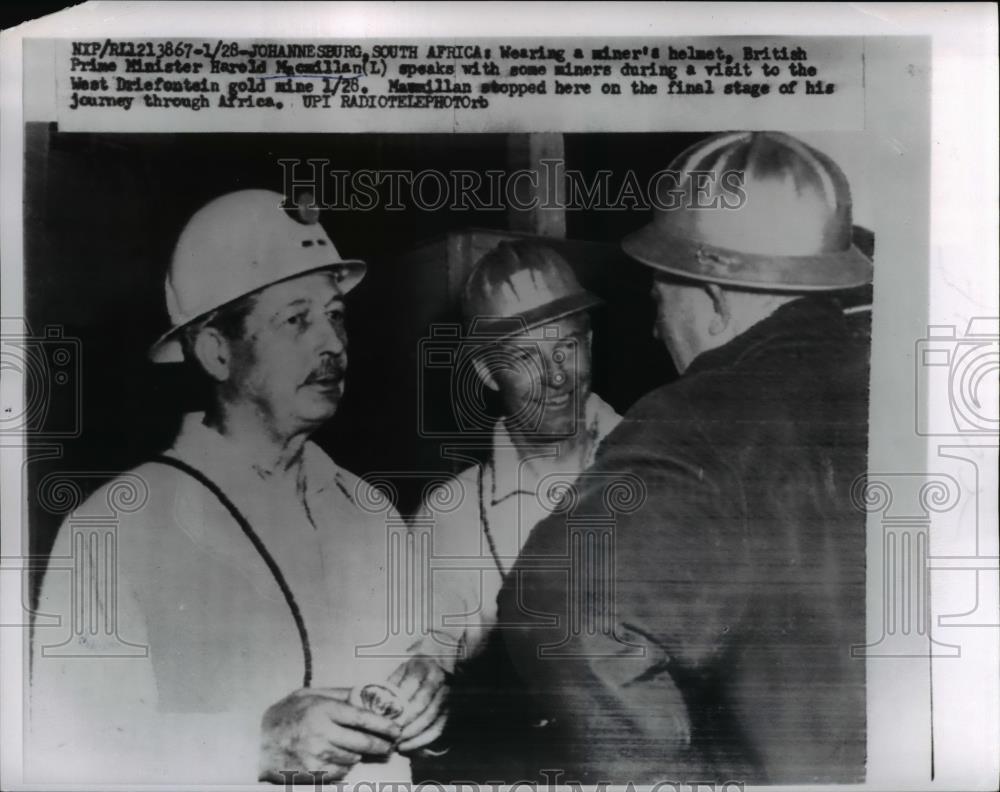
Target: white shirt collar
<point>512,474</point>
<point>223,460</point>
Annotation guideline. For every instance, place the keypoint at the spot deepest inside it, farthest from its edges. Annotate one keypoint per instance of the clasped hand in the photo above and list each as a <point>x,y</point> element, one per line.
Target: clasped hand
<point>320,732</point>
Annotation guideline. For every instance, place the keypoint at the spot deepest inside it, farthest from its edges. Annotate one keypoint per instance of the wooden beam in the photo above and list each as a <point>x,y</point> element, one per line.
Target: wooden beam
<point>544,191</point>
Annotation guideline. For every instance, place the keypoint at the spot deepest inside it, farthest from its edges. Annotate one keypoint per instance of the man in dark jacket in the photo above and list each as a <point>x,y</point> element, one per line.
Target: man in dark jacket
<point>689,612</point>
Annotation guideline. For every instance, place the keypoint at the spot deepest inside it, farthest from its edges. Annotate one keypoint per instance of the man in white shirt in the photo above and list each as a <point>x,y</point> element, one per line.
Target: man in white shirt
<point>530,336</point>
<point>211,634</point>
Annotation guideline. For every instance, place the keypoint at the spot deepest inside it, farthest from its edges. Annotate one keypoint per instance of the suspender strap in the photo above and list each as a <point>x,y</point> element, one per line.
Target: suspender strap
<point>255,540</point>
<point>484,521</point>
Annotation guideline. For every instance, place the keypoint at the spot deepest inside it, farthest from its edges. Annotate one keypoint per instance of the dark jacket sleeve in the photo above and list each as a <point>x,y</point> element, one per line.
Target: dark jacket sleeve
<point>627,595</point>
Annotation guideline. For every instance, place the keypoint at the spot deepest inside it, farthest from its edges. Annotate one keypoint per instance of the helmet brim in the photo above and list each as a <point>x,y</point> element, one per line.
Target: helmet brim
<point>494,329</point>
<point>167,348</point>
<point>703,262</point>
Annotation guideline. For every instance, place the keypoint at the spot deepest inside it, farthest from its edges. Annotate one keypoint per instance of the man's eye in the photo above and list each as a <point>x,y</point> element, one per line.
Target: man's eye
<point>295,320</point>
<point>336,316</point>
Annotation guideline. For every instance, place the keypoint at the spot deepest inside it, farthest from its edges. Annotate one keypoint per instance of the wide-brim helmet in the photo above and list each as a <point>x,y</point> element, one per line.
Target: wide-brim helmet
<point>519,286</point>
<point>758,210</point>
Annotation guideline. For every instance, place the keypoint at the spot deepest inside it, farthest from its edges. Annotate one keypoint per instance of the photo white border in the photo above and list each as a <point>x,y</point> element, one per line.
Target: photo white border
<point>963,275</point>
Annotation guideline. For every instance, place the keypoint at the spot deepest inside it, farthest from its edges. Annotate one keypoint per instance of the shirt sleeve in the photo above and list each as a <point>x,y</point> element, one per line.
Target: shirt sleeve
<point>458,618</point>
<point>94,709</point>
<point>88,630</point>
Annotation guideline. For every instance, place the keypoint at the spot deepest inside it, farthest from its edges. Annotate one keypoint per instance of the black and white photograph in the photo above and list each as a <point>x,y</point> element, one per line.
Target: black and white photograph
<point>434,405</point>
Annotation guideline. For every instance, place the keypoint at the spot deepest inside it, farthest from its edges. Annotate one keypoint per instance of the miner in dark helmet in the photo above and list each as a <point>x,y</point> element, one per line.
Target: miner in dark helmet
<point>712,636</point>
<point>529,342</point>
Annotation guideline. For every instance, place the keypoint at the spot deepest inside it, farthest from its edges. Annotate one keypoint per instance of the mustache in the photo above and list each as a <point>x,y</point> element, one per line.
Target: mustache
<point>331,370</point>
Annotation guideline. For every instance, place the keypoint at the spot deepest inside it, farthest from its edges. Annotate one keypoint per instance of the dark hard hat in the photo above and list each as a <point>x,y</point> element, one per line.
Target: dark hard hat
<point>790,230</point>
<point>519,286</point>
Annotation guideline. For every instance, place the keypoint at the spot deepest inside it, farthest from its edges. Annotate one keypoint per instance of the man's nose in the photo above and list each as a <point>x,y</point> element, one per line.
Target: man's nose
<point>332,337</point>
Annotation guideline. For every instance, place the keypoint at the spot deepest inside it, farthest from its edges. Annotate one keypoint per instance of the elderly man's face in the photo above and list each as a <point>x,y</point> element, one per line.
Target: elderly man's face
<point>544,377</point>
<point>291,360</point>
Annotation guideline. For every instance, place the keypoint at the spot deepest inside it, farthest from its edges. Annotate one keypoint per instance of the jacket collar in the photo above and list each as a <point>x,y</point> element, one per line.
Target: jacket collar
<point>806,318</point>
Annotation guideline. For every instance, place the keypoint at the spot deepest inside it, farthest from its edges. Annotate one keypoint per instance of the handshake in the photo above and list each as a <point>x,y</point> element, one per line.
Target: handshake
<point>326,731</point>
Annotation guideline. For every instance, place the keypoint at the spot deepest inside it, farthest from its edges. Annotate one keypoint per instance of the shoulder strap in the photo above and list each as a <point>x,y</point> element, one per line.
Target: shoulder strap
<point>484,521</point>
<point>255,540</point>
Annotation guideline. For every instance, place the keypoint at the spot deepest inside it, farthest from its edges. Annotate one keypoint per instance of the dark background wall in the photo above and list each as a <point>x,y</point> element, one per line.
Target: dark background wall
<point>103,213</point>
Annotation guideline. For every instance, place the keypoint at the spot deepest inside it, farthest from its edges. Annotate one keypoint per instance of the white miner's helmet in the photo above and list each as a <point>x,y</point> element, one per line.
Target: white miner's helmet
<point>236,245</point>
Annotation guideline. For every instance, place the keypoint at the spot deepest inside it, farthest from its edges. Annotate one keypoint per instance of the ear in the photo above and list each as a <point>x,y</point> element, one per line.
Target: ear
<point>214,353</point>
<point>722,313</point>
<point>485,374</point>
